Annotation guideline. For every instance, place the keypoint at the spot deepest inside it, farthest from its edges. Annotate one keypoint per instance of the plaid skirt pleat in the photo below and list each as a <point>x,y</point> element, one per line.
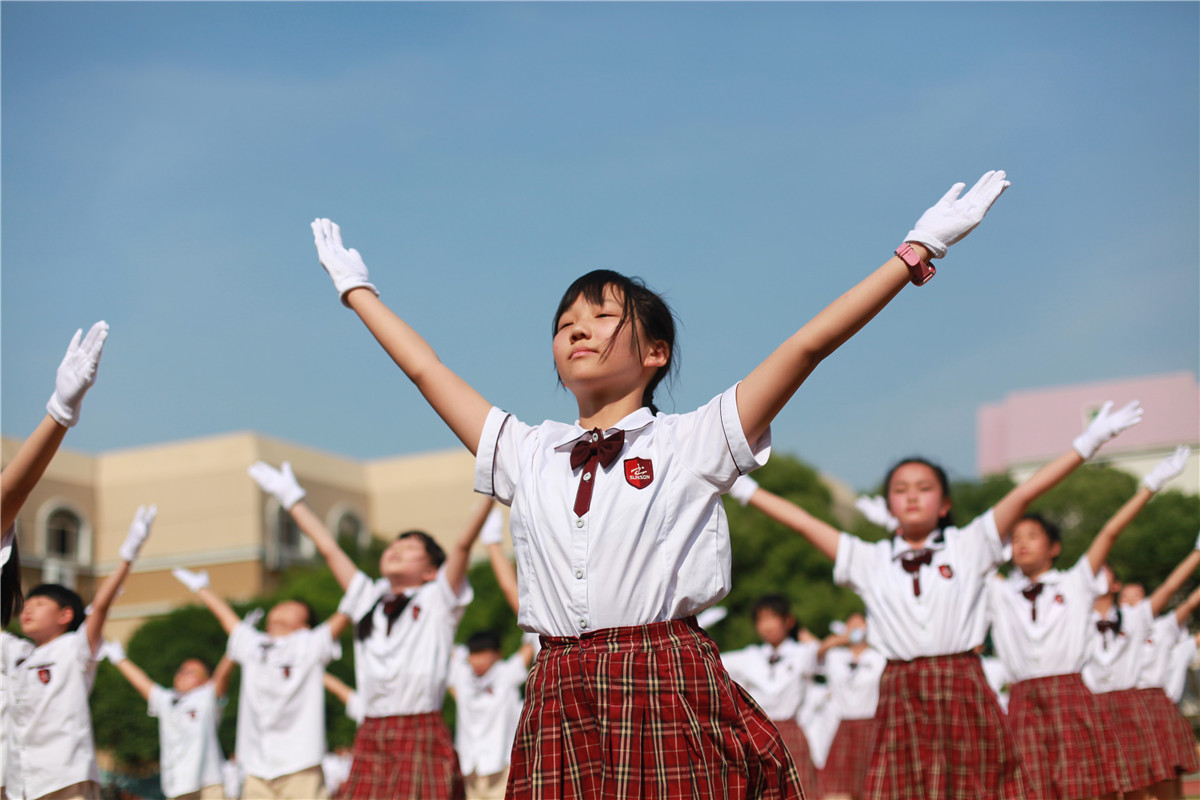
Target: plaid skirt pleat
<point>796,742</point>
<point>1067,749</point>
<point>644,712</point>
<point>942,735</point>
<point>1125,713</point>
<point>849,756</point>
<point>408,757</point>
<point>1176,745</point>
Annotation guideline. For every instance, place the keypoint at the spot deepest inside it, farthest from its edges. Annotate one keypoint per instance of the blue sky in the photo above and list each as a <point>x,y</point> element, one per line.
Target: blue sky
<point>161,163</point>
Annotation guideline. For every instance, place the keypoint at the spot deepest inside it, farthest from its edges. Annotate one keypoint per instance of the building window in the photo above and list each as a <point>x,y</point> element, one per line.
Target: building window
<point>63,527</point>
<point>350,529</point>
<point>289,541</point>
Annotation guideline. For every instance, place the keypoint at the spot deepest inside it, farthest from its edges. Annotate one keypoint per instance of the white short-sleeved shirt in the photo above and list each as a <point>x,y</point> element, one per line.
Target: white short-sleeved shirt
<point>819,720</point>
<point>997,676</point>
<point>50,736</point>
<point>1180,661</point>
<point>775,677</point>
<point>489,706</point>
<point>404,671</point>
<point>1116,659</point>
<point>949,616</point>
<point>654,545</point>
<point>12,649</point>
<point>1156,661</point>
<point>854,682</point>
<point>281,713</point>
<point>189,753</point>
<point>1058,641</point>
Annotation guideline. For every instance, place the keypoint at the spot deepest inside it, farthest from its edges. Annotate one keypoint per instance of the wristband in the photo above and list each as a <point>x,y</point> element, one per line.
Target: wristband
<point>919,270</point>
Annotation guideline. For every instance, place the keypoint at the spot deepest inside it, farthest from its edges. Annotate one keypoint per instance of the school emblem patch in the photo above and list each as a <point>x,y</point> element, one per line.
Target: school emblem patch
<point>946,571</point>
<point>416,611</point>
<point>639,472</point>
<point>1058,598</point>
<point>44,675</point>
<point>287,672</point>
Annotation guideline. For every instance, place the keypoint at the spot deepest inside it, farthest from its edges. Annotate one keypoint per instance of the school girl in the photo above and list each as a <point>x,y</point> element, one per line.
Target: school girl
<point>1118,635</point>
<point>941,732</point>
<point>1041,618</point>
<point>618,528</point>
<point>852,672</point>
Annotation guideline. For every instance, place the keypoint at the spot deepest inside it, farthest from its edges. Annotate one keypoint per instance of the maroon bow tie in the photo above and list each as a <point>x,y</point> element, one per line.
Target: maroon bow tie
<point>1107,626</point>
<point>912,562</point>
<point>393,608</point>
<point>1031,593</point>
<point>592,451</point>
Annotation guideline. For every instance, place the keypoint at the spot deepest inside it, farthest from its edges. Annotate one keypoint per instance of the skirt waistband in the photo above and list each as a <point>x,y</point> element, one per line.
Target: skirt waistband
<point>654,636</point>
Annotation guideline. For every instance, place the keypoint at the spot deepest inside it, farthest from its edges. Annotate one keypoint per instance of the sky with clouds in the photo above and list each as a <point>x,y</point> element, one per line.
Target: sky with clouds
<point>160,163</point>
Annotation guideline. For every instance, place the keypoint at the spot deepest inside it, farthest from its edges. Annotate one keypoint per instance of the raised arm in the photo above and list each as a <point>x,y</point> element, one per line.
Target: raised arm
<point>1106,424</point>
<point>460,554</point>
<point>1166,469</point>
<point>221,676</point>
<point>1184,610</point>
<point>136,676</point>
<point>455,401</point>
<point>338,688</point>
<point>1175,581</point>
<point>282,484</point>
<point>75,376</point>
<point>139,530</point>
<point>198,583</point>
<point>337,623</point>
<point>821,535</point>
<point>492,537</point>
<point>768,388</point>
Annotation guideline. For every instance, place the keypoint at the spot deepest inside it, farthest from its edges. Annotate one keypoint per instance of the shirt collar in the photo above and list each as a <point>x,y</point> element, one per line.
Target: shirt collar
<point>901,546</point>
<point>1019,581</point>
<point>633,422</point>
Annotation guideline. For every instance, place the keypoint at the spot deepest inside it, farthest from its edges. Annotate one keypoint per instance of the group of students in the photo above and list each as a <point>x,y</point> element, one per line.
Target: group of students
<point>620,541</point>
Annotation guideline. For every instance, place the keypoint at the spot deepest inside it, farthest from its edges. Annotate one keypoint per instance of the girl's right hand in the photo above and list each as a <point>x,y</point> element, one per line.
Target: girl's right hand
<point>345,267</point>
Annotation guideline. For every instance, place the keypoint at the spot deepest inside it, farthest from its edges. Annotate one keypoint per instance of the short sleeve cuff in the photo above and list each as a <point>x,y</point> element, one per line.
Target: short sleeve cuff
<point>241,642</point>
<point>1096,583</point>
<point>748,457</point>
<point>159,698</point>
<point>845,555</point>
<point>359,598</point>
<point>457,599</point>
<point>991,537</point>
<point>485,452</point>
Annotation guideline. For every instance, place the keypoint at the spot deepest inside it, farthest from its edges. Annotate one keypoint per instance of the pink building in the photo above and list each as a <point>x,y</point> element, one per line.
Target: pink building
<point>1030,427</point>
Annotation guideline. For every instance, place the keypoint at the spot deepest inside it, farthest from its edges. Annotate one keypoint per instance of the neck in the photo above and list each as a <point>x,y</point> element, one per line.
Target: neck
<point>916,539</point>
<point>605,412</point>
<point>858,648</point>
<point>1033,573</point>
<point>1104,603</point>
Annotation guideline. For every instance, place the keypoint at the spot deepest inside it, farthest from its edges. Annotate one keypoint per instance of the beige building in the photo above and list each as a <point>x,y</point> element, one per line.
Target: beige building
<point>212,515</point>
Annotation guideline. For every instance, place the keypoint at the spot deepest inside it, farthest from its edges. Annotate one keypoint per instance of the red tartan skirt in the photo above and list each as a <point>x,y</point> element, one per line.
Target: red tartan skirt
<point>410,756</point>
<point>1067,748</point>
<point>849,756</point>
<point>1176,744</point>
<point>1127,714</point>
<point>942,734</point>
<point>797,744</point>
<point>643,712</point>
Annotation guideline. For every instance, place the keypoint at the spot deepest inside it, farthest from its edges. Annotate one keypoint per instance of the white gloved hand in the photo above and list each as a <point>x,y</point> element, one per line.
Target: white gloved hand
<point>743,489</point>
<point>76,374</point>
<point>1167,469</point>
<point>953,217</point>
<point>254,617</point>
<point>1198,541</point>
<point>493,528</point>
<point>1106,425</point>
<point>875,509</point>
<point>346,267</point>
<point>194,581</point>
<point>139,529</point>
<point>711,616</point>
<point>278,482</point>
<point>113,651</point>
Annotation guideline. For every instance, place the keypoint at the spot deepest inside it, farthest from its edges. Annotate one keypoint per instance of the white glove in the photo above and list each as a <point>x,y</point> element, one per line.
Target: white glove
<point>139,529</point>
<point>1168,468</point>
<point>346,267</point>
<point>837,627</point>
<point>493,528</point>
<point>875,509</point>
<point>76,374</point>
<point>1198,541</point>
<point>113,651</point>
<point>743,489</point>
<point>711,616</point>
<point>194,581</point>
<point>253,618</point>
<point>1106,425</point>
<point>278,482</point>
<point>953,217</point>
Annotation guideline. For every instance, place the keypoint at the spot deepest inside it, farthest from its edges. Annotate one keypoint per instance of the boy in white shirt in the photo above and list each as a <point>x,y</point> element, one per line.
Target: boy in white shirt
<point>48,731</point>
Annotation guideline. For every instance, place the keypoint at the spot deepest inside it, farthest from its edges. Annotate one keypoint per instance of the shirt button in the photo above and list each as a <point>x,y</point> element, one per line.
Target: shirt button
<point>582,622</point>
<point>595,437</point>
<point>579,574</point>
<point>587,476</point>
<point>578,523</point>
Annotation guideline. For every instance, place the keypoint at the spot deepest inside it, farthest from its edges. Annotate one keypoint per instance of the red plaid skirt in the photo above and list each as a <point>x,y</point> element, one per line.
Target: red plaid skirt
<point>410,756</point>
<point>942,734</point>
<point>1067,749</point>
<point>1176,744</point>
<point>1127,714</point>
<point>797,744</point>
<point>643,712</point>
<point>849,756</point>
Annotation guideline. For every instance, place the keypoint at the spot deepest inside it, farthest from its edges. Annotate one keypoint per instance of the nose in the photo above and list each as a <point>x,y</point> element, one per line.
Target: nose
<point>577,332</point>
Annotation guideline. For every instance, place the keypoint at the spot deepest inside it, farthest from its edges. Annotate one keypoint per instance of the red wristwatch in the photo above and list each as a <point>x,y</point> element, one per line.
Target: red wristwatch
<point>919,270</point>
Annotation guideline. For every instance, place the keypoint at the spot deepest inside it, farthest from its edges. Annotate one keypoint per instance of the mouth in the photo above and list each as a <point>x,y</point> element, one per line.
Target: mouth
<point>583,351</point>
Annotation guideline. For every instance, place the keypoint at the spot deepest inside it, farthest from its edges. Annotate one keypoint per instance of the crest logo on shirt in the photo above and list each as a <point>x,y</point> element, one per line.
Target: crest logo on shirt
<point>192,714</point>
<point>1058,598</point>
<point>639,472</point>
<point>946,571</point>
<point>416,612</point>
<point>44,674</point>
<point>287,671</point>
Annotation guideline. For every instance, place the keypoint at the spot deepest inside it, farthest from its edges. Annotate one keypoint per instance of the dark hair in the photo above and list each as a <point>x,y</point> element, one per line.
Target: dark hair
<point>63,598</point>
<point>781,607</point>
<point>945,520</point>
<point>643,307</point>
<point>310,612</point>
<point>432,549</point>
<point>11,600</point>
<point>1049,528</point>
<point>483,641</point>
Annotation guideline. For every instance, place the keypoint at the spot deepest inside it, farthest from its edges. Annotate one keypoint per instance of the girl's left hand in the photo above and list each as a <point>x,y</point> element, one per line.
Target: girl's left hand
<point>953,217</point>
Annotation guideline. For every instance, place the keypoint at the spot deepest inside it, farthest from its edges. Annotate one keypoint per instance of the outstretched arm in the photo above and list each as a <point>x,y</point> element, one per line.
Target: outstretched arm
<point>139,530</point>
<point>460,553</point>
<point>1184,610</point>
<point>1103,427</point>
<point>768,388</point>
<point>492,537</point>
<point>1175,581</point>
<point>221,676</point>
<point>282,484</point>
<point>136,676</point>
<point>198,583</point>
<point>821,535</point>
<point>27,467</point>
<point>455,401</point>
<point>338,688</point>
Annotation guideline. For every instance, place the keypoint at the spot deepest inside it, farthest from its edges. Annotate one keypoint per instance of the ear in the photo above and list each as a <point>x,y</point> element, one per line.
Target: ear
<point>944,508</point>
<point>657,355</point>
<point>1055,550</point>
<point>65,616</point>
<point>429,573</point>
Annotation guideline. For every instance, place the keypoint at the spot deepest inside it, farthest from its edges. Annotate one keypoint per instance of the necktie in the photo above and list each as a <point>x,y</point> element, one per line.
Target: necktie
<point>912,562</point>
<point>1031,593</point>
<point>394,607</point>
<point>590,452</point>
